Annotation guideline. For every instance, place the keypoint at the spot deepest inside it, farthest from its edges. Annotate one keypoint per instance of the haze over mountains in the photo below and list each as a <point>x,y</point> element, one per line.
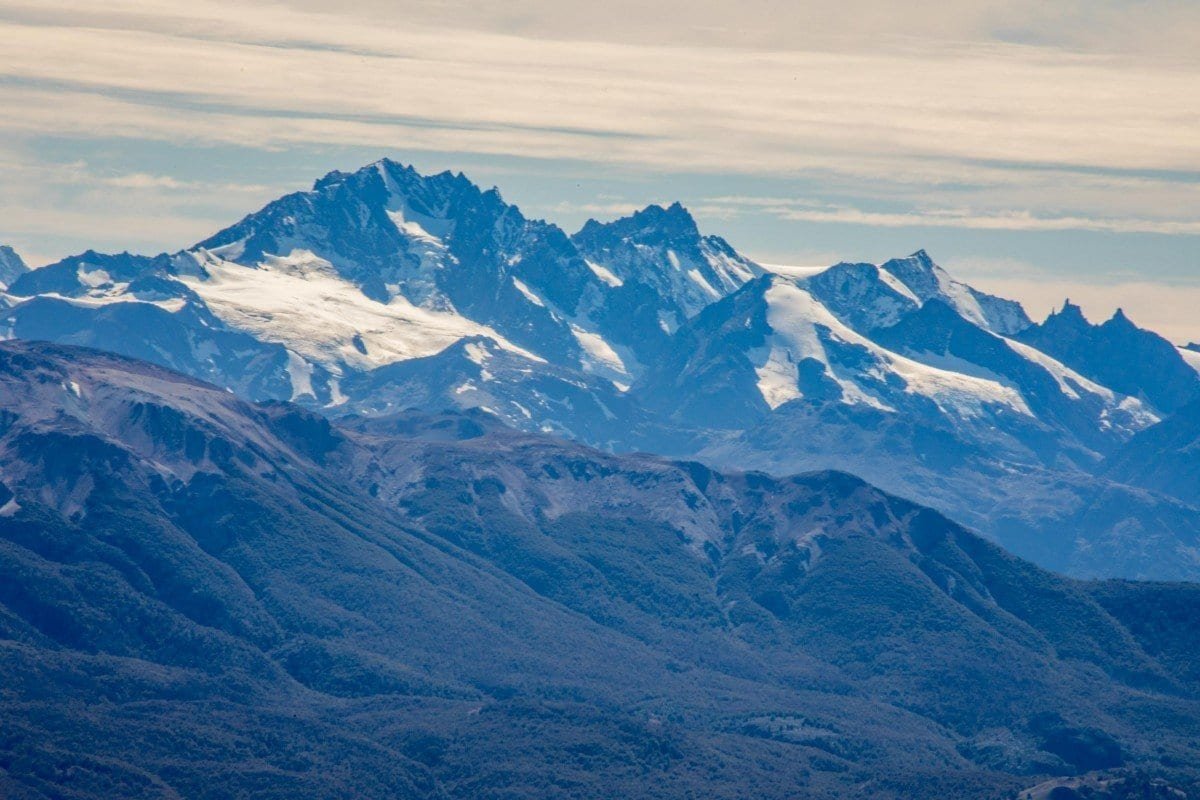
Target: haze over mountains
<point>383,290</point>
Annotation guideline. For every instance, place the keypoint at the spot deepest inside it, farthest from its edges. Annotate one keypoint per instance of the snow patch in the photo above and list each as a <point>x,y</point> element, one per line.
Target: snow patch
<point>336,398</point>
<point>529,294</point>
<point>300,372</point>
<point>1069,381</point>
<point>699,280</point>
<point>897,285</point>
<point>93,278</point>
<point>604,274</point>
<point>113,296</point>
<point>599,356</point>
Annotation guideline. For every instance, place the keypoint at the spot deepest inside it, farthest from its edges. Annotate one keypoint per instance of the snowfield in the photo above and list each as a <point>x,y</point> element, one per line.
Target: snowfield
<point>301,302</point>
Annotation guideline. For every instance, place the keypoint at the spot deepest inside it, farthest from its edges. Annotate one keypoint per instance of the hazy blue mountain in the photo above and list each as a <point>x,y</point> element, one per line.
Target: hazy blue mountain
<point>979,426</point>
<point>1118,354</point>
<point>11,266</point>
<point>204,597</point>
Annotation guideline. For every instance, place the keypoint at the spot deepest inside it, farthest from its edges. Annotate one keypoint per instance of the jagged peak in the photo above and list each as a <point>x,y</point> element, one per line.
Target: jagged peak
<point>674,215</point>
<point>405,177</point>
<point>8,252</point>
<point>920,259</point>
<point>673,221</point>
<point>1069,312</point>
<point>917,269</point>
<point>329,179</point>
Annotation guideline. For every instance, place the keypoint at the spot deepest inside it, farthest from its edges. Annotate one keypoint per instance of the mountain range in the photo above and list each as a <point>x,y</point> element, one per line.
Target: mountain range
<point>384,290</point>
<point>388,490</point>
<point>207,597</point>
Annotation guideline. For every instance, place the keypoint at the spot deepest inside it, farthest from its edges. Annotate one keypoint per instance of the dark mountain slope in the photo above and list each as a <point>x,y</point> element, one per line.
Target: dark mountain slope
<point>203,597</point>
<point>1118,354</point>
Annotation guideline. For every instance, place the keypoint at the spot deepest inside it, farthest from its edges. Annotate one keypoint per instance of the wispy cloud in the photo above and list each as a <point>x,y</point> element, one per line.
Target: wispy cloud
<point>75,203</point>
<point>1029,138</point>
<point>813,211</point>
<point>262,74</point>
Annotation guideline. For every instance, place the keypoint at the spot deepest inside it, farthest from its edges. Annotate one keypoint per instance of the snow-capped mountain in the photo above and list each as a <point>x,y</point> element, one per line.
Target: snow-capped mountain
<point>383,265</point>
<point>433,253</point>
<point>938,336</point>
<point>774,342</point>
<point>869,296</point>
<point>446,260</point>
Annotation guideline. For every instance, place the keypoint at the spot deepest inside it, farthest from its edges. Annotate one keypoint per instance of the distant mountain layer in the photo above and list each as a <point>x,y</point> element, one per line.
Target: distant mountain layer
<point>383,290</point>
<point>203,597</point>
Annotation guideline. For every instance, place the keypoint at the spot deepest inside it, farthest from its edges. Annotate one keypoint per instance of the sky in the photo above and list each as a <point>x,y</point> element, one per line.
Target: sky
<point>1042,150</point>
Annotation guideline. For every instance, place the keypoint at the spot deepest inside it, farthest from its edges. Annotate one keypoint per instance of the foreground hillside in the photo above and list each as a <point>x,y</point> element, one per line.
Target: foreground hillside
<point>202,597</point>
